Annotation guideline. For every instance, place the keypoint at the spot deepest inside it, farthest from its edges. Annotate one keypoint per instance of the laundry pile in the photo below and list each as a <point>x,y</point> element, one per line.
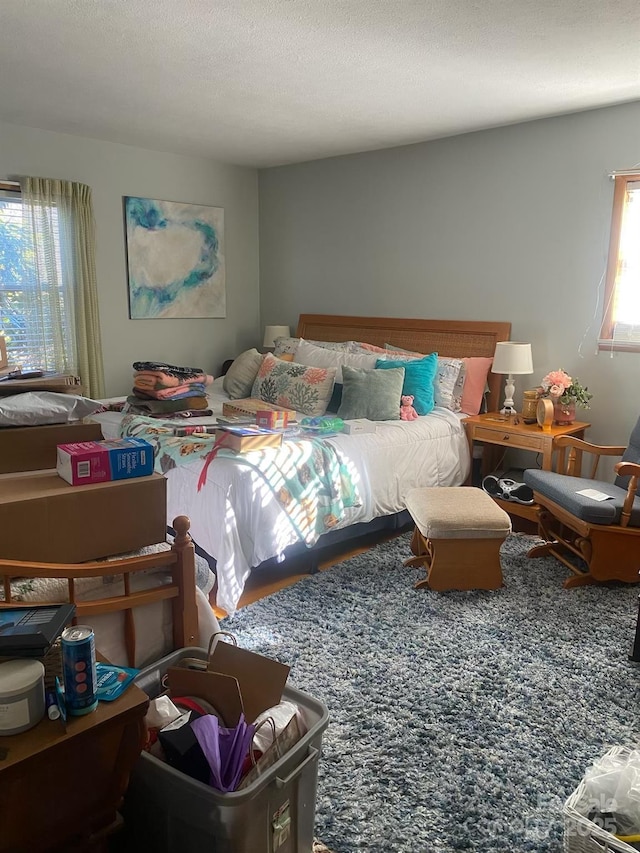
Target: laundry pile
<point>167,391</point>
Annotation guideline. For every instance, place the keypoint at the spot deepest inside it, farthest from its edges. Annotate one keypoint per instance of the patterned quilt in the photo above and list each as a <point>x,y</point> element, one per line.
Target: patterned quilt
<point>307,476</point>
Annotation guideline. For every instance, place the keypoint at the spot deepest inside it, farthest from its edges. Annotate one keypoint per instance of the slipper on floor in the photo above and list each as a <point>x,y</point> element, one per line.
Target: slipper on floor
<point>519,493</point>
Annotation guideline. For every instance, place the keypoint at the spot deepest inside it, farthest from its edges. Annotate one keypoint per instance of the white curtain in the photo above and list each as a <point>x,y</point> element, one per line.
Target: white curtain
<point>61,302</point>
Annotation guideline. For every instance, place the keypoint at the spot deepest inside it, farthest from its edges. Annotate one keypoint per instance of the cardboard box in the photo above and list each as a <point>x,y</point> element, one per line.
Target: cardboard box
<point>44,519</point>
<point>34,448</point>
<point>234,680</point>
<point>357,426</point>
<point>98,461</point>
<point>61,383</point>
<point>250,405</point>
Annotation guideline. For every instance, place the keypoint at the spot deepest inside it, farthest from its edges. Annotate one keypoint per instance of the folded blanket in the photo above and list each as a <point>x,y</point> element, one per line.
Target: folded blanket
<point>197,389</point>
<point>187,413</point>
<point>170,369</point>
<point>158,381</point>
<point>154,406</point>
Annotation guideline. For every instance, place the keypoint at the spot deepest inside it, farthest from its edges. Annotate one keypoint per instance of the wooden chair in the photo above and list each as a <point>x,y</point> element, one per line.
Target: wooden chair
<point>181,590</point>
<point>597,540</point>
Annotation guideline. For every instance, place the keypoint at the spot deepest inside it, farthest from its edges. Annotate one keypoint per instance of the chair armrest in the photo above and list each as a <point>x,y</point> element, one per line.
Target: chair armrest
<point>572,465</point>
<point>631,470</point>
<point>587,447</point>
<point>627,469</point>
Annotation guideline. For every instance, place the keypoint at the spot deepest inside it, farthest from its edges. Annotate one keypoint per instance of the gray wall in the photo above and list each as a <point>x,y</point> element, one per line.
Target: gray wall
<point>113,171</point>
<point>507,224</point>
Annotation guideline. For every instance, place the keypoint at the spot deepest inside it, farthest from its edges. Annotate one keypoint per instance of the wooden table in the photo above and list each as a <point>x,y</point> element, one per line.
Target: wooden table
<point>60,786</point>
<point>497,432</point>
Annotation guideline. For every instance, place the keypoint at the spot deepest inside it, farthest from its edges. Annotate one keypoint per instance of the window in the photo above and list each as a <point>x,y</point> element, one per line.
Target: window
<point>621,320</point>
<point>34,316</point>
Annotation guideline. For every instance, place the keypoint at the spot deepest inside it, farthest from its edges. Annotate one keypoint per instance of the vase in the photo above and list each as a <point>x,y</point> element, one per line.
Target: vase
<point>563,413</point>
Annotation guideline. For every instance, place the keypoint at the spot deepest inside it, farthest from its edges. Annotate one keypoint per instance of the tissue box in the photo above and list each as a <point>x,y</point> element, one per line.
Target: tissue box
<point>359,425</point>
<point>99,461</point>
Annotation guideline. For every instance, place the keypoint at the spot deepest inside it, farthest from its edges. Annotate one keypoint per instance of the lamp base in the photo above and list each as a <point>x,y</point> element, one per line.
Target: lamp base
<point>509,390</point>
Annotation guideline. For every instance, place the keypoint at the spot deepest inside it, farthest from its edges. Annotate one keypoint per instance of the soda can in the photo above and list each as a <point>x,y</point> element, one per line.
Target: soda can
<point>79,669</point>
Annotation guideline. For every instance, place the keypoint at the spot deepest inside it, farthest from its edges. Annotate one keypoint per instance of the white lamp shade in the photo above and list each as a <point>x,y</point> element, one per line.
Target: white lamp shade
<point>271,333</point>
<point>512,357</point>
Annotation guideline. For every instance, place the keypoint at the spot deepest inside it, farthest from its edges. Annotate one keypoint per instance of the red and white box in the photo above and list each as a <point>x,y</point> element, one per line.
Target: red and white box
<point>272,419</point>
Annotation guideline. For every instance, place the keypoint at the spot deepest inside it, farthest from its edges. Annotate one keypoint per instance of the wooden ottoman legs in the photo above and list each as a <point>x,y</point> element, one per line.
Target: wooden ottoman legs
<point>462,564</point>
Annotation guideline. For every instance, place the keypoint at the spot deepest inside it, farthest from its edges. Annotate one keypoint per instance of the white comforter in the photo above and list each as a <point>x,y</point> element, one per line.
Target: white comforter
<point>235,518</point>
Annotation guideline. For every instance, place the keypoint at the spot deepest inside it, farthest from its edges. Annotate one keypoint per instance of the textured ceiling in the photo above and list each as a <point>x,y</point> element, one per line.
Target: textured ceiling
<point>266,82</point>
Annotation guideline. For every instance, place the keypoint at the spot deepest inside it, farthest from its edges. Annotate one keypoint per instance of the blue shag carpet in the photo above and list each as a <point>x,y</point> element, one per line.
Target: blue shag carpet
<point>458,721</point>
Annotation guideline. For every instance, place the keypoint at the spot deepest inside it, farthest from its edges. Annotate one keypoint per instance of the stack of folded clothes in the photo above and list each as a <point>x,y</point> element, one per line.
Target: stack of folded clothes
<point>167,391</point>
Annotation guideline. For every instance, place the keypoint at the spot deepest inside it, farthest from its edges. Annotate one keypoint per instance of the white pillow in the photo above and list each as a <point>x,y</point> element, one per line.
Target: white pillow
<point>288,346</point>
<point>37,408</point>
<point>314,356</point>
<point>239,379</point>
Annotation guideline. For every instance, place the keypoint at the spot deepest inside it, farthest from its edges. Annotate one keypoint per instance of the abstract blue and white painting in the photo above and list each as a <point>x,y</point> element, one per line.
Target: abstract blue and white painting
<point>175,256</point>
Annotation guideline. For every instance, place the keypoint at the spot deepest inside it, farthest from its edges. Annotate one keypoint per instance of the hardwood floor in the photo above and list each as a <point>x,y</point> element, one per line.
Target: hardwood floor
<point>267,581</point>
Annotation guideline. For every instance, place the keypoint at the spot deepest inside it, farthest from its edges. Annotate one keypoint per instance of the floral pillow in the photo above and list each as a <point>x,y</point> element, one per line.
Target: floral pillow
<point>294,386</point>
<point>449,383</point>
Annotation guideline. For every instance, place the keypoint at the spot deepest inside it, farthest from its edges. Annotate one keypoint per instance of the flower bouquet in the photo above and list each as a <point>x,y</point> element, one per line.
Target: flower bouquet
<point>566,393</point>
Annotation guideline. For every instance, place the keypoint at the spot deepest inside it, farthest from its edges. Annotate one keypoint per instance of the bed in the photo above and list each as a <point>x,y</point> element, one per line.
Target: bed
<point>234,516</point>
<point>140,606</point>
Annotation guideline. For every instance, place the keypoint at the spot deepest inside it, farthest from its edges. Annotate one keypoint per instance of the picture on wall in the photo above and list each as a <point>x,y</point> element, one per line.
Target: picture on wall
<point>175,259</point>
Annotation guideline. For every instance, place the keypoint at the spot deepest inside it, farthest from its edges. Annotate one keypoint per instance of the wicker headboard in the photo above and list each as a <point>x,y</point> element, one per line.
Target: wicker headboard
<point>453,338</point>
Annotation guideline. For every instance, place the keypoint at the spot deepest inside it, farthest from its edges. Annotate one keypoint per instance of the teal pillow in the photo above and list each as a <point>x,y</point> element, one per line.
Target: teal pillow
<point>419,375</point>
<point>372,394</point>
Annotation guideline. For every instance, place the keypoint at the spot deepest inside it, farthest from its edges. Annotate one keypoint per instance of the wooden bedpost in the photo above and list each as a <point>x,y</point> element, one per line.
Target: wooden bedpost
<point>185,611</point>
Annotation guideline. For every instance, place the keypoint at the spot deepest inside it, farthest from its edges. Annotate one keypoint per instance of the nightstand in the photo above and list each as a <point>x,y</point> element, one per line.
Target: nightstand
<point>61,787</point>
<point>497,432</point>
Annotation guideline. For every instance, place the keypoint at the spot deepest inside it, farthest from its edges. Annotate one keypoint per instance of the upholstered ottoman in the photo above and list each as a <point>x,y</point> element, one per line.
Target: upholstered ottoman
<point>457,537</point>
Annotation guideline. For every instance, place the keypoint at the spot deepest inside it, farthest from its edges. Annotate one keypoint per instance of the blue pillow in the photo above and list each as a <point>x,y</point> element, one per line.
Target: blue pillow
<point>419,375</point>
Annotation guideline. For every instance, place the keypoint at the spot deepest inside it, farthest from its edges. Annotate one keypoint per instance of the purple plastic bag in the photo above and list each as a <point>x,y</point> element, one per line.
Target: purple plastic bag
<point>224,749</point>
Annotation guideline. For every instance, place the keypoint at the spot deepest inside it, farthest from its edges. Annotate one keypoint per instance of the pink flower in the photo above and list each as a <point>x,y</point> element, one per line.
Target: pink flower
<point>556,390</point>
<point>557,378</point>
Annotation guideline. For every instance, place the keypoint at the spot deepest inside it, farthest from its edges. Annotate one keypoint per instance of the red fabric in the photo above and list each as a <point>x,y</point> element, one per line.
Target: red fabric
<point>189,704</point>
<point>211,455</point>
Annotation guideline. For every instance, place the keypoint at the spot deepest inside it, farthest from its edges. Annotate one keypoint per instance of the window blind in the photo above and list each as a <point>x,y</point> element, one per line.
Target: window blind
<point>626,299</point>
<point>26,316</point>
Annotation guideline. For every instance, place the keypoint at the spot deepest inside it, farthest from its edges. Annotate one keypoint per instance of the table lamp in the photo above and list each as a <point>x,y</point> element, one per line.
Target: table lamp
<point>512,358</point>
<point>271,333</point>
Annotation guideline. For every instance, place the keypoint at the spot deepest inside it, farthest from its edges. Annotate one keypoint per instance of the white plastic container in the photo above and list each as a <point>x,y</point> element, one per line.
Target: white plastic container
<point>21,695</point>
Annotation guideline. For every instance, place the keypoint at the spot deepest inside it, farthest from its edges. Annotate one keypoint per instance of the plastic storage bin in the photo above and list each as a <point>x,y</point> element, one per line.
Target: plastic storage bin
<point>168,812</point>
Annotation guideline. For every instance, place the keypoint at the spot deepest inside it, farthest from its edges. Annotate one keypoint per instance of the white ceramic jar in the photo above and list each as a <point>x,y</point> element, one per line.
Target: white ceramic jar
<point>21,695</point>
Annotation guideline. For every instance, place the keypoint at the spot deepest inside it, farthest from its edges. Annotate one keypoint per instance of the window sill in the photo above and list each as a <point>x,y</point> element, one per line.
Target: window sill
<point>618,346</point>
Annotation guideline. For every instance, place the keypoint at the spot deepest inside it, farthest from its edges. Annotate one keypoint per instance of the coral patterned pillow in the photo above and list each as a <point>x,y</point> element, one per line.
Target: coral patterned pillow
<point>294,386</point>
